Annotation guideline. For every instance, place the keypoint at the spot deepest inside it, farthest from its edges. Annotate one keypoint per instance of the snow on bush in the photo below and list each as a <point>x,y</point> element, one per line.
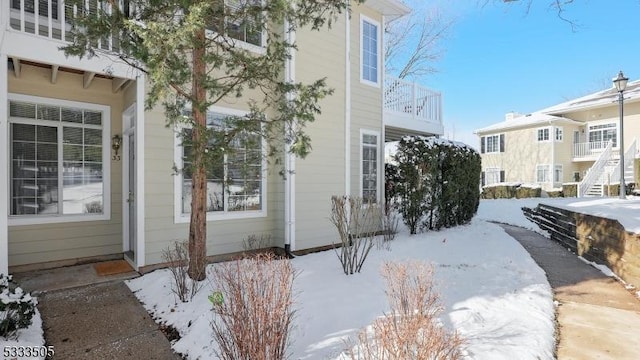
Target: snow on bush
<point>17,308</point>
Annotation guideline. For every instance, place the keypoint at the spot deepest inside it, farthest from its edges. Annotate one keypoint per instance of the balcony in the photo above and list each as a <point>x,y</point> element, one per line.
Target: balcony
<point>411,109</point>
<point>34,31</point>
<point>589,151</point>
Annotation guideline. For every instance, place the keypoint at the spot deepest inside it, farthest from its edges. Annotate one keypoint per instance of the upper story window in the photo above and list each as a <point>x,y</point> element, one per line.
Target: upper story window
<point>543,134</point>
<point>599,135</point>
<point>492,144</point>
<point>370,51</point>
<point>42,7</point>
<point>234,21</point>
<point>235,184</point>
<point>59,161</point>
<point>559,133</point>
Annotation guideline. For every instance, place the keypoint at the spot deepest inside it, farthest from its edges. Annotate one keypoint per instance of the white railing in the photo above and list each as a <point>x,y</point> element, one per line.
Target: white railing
<point>588,149</point>
<point>629,157</point>
<point>51,18</point>
<point>408,98</point>
<point>596,171</point>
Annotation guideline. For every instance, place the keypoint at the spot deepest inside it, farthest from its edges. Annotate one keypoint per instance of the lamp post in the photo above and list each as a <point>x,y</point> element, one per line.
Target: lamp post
<point>620,83</point>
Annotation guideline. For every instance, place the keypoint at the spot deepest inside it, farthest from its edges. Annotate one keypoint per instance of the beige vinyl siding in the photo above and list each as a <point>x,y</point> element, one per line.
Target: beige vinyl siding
<point>61,241</point>
<point>366,100</point>
<point>223,236</point>
<point>322,173</point>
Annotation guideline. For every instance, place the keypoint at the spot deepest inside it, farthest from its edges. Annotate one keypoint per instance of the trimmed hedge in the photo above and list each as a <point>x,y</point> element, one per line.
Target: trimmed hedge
<point>509,191</point>
<point>437,182</point>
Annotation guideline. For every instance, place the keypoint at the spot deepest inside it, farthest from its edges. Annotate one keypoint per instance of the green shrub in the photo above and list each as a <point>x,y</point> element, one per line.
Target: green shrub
<point>554,193</point>
<point>16,309</point>
<point>438,182</point>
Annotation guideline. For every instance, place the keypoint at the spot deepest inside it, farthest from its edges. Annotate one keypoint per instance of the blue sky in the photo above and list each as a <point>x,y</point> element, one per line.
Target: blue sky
<point>500,58</point>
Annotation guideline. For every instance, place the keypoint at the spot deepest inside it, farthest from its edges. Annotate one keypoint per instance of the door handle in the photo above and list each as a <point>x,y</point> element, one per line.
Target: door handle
<point>130,198</point>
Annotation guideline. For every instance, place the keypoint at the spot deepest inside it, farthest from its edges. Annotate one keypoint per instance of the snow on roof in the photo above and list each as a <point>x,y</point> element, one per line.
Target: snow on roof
<point>553,113</point>
<point>600,98</point>
<point>537,118</point>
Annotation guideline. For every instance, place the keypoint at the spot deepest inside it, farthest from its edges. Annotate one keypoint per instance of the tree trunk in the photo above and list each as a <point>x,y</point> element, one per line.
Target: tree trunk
<point>198,224</point>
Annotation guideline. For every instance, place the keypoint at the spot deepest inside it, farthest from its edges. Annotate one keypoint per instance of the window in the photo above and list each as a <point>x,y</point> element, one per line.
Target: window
<point>235,184</point>
<point>599,135</point>
<point>493,176</point>
<point>542,173</point>
<point>369,165</point>
<point>558,134</point>
<point>492,144</point>
<point>369,52</point>
<point>43,7</point>
<point>235,20</point>
<point>557,173</point>
<point>59,160</point>
<point>543,134</point>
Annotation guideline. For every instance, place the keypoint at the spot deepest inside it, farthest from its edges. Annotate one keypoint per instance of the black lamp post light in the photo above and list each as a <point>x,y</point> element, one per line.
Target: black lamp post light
<point>620,83</point>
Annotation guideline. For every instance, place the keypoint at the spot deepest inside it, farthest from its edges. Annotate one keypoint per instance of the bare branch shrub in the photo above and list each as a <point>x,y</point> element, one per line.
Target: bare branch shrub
<point>389,225</point>
<point>176,256</point>
<point>253,303</point>
<point>411,330</point>
<point>356,225</point>
<point>256,242</point>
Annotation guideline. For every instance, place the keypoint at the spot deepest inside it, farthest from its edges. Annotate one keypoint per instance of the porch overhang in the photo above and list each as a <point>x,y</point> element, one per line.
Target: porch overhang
<point>389,8</point>
<point>394,133</point>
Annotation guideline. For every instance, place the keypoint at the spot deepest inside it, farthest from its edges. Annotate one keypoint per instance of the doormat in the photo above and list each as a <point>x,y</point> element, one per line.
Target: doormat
<point>112,267</point>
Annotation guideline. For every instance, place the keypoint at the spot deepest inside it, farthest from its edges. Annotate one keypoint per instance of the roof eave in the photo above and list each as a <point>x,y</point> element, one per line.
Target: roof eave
<point>389,8</point>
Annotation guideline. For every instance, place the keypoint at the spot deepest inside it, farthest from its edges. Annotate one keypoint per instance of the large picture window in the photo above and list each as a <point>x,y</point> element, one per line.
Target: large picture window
<point>58,159</point>
<point>369,53</point>
<point>369,174</point>
<point>235,183</point>
<point>599,135</point>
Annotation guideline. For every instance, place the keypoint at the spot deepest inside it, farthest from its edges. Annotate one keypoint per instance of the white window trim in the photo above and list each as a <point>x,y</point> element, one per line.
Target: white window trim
<point>179,216</point>
<point>17,220</point>
<point>603,122</point>
<point>364,18</point>
<point>561,173</point>
<point>241,44</point>
<point>378,174</point>
<point>549,176</point>
<point>486,143</point>
<point>542,129</point>
<point>492,170</point>
<point>555,134</point>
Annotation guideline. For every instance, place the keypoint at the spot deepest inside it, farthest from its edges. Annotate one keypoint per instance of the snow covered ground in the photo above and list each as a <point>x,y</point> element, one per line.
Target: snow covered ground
<point>32,336</point>
<point>492,291</point>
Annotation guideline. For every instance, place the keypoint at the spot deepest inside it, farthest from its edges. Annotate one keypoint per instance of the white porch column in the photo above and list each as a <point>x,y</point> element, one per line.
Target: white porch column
<point>4,167</point>
<point>140,156</point>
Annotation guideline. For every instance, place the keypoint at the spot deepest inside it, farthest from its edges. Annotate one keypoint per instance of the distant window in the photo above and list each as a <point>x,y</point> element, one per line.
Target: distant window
<point>370,51</point>
<point>543,134</point>
<point>493,143</point>
<point>557,173</point>
<point>599,135</point>
<point>542,173</point>
<point>558,134</point>
<point>492,176</point>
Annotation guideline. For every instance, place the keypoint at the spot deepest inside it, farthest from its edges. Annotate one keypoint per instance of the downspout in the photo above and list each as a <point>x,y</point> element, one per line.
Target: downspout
<point>289,161</point>
<point>347,111</point>
<point>4,165</point>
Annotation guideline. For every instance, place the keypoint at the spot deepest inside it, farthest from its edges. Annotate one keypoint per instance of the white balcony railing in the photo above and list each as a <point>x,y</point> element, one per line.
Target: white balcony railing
<point>410,99</point>
<point>51,18</point>
<point>590,149</point>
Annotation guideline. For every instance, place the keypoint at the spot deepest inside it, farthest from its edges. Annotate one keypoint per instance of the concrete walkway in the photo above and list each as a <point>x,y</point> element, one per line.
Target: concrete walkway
<point>598,318</point>
<point>102,320</point>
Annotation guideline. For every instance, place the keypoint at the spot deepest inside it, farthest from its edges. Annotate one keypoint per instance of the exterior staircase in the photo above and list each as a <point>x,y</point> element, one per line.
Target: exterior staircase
<point>606,171</point>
